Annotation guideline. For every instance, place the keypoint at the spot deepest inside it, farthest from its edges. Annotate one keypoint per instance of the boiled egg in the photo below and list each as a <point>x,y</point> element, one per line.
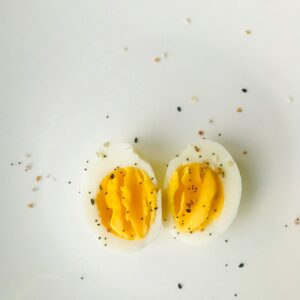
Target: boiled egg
<point>122,198</point>
<point>202,192</point>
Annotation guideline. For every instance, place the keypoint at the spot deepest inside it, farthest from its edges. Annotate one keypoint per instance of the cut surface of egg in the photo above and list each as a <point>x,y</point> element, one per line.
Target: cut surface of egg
<point>202,192</point>
<point>122,198</point>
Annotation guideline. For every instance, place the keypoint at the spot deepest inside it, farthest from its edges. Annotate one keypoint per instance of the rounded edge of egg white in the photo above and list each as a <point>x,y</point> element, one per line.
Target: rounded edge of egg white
<point>232,185</point>
<point>111,156</point>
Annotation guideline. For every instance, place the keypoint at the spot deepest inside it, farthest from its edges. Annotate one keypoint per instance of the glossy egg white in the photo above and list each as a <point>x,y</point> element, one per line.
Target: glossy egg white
<point>214,153</point>
<point>111,156</point>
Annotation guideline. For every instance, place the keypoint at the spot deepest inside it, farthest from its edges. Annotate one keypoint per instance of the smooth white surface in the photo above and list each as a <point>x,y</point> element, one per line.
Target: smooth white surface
<point>63,69</point>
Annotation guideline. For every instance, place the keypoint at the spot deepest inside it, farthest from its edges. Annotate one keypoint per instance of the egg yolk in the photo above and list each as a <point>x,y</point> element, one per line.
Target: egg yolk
<point>126,202</point>
<point>195,196</point>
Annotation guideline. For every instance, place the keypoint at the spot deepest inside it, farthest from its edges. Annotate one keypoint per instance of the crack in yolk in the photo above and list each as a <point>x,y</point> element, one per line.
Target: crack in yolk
<point>126,202</point>
<point>195,196</point>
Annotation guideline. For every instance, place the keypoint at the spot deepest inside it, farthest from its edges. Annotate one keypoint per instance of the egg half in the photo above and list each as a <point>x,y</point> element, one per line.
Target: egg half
<point>122,198</point>
<point>202,192</point>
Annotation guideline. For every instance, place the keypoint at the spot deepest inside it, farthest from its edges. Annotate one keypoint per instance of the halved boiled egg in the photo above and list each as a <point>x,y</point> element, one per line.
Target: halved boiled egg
<point>122,197</point>
<point>202,192</point>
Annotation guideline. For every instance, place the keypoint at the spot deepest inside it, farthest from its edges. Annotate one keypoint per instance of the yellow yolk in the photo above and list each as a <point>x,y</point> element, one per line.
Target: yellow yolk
<point>126,202</point>
<point>195,196</point>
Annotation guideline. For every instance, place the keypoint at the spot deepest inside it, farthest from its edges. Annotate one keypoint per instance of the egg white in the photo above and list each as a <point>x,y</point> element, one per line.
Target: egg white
<point>215,154</point>
<point>115,155</point>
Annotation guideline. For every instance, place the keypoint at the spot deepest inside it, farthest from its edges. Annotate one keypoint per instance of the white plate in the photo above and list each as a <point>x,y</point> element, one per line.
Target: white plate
<point>64,68</point>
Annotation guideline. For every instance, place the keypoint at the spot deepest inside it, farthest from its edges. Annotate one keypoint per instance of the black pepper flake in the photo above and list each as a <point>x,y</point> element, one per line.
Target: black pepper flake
<point>188,210</point>
<point>285,226</point>
<point>98,224</point>
<point>104,155</point>
<point>219,134</point>
<point>180,286</point>
<point>178,108</point>
<point>156,208</point>
<point>112,176</point>
<point>226,265</point>
<point>89,193</point>
<point>92,201</point>
<point>244,90</point>
<point>142,218</point>
<point>235,295</point>
<point>11,164</point>
<point>187,159</point>
<point>136,140</point>
<point>226,241</point>
<point>105,238</point>
<point>135,164</point>
<point>81,277</point>
<point>105,245</point>
<point>99,237</point>
<point>19,163</point>
<point>69,182</point>
<point>85,169</point>
<point>87,161</point>
<point>210,233</point>
<point>241,265</point>
<point>107,116</point>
